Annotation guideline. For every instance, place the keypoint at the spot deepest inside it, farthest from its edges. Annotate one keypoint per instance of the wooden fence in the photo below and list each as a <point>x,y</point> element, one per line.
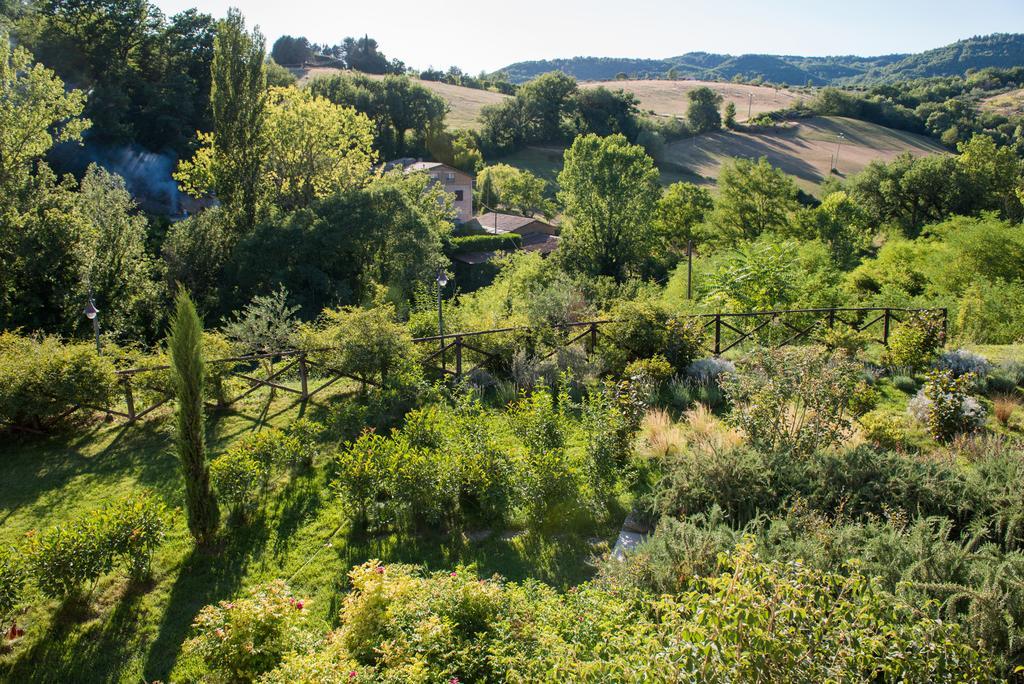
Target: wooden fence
<point>458,354</point>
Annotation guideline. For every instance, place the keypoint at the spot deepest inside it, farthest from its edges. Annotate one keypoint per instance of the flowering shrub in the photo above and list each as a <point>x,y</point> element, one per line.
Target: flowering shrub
<point>709,371</point>
<point>962,362</point>
<point>945,405</point>
<point>240,640</point>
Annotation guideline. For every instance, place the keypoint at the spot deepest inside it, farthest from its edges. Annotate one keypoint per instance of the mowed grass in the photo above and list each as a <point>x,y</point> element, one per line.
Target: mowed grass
<point>805,149</point>
<point>134,634</point>
<point>464,103</point>
<point>669,98</point>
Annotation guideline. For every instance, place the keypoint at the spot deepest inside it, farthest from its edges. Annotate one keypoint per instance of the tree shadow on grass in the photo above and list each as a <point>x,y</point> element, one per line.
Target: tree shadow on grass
<point>204,577</point>
<point>98,652</point>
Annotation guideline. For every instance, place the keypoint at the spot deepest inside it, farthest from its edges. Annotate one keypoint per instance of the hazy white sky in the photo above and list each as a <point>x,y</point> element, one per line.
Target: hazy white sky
<point>488,35</point>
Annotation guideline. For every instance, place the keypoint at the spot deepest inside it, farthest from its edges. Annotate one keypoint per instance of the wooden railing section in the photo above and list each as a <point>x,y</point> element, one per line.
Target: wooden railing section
<point>458,354</point>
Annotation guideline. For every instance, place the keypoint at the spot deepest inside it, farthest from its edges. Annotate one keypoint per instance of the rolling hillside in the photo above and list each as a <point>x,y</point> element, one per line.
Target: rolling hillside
<point>997,50</point>
<point>668,98</point>
<point>465,103</point>
<point>803,150</point>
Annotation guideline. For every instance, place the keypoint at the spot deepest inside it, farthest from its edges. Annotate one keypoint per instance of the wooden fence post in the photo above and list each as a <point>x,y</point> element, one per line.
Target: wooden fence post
<point>885,327</point>
<point>129,399</point>
<point>303,375</point>
<point>831,318</point>
<point>593,339</point>
<point>718,334</point>
<point>458,359</point>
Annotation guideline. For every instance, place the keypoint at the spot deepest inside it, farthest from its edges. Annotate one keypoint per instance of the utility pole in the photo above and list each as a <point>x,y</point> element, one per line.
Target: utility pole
<point>750,106</point>
<point>839,144</point>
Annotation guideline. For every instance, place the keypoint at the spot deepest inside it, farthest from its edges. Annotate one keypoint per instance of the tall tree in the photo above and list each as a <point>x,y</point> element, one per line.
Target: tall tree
<point>681,209</point>
<point>188,373</point>
<point>514,190</point>
<point>548,100</point>
<point>35,112</point>
<point>238,98</point>
<point>702,113</point>
<point>609,189</point>
<point>753,198</point>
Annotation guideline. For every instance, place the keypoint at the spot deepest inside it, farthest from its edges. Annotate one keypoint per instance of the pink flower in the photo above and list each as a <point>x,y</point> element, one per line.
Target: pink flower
<point>380,569</point>
<point>299,604</point>
<point>219,632</point>
<point>352,674</point>
<point>453,574</point>
<point>453,680</point>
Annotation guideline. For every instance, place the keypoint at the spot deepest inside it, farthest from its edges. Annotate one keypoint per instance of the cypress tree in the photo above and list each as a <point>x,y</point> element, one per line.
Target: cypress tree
<point>185,344</point>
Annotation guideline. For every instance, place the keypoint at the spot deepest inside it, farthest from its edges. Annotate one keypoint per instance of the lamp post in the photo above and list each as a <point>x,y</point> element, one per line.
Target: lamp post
<point>442,280</point>
<point>92,313</point>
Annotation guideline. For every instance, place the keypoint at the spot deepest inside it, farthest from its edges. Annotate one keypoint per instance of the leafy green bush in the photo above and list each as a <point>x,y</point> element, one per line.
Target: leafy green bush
<point>756,621</point>
<point>505,242</point>
<point>41,379</point>
<point>240,640</point>
<point>793,399</point>
<point>539,421</point>
<point>915,342</point>
<point>740,482</point>
<point>12,582</point>
<point>236,475</point>
<point>134,528</point>
<point>888,430</point>
<point>945,405</point>
<point>642,330</point>
<point>649,376</point>
<point>68,556</point>
<point>368,344</point>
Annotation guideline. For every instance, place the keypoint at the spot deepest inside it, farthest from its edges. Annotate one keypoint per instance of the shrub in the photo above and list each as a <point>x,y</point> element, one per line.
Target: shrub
<point>1004,406</point>
<point>642,330</point>
<point>710,371</point>
<point>844,338</point>
<point>539,421</point>
<point>41,379</point>
<point>945,406</point>
<point>887,430</point>
<point>134,528</point>
<point>369,344</point>
<point>66,557</point>
<point>303,448</point>
<point>962,362</point>
<point>236,475</point>
<point>793,399</point>
<point>914,343</point>
<point>609,424</point>
<point>863,399</point>
<point>240,640</point>
<point>12,582</point>
<point>740,482</point>
<point>649,376</point>
<point>904,383</point>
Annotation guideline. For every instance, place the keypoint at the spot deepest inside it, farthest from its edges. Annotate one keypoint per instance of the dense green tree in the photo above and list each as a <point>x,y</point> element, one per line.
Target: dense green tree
<point>278,76</point>
<point>606,112</point>
<point>839,223</point>
<point>729,115</point>
<point>396,104</point>
<point>238,98</point>
<point>35,113</point>
<point>112,252</point>
<point>457,148</point>
<point>702,113</point>
<point>515,190</point>
<point>549,100</point>
<point>184,345</point>
<point>680,212</point>
<point>994,173</point>
<point>291,51</point>
<point>194,253</point>
<point>609,189</point>
<point>753,198</point>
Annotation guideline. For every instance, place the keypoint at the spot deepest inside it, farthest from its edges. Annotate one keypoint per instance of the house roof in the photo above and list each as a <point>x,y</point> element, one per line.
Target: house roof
<point>474,258</point>
<point>431,166</point>
<point>540,242</point>
<point>505,223</point>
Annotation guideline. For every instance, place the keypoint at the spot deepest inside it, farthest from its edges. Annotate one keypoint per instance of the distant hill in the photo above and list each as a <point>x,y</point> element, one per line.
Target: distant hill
<point>979,52</point>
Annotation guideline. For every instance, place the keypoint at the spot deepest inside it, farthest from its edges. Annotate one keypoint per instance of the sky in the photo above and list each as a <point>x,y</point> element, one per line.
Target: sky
<point>486,35</point>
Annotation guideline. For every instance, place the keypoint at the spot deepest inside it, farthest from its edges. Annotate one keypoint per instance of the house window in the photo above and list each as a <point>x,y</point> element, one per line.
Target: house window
<point>451,176</point>
<point>458,195</point>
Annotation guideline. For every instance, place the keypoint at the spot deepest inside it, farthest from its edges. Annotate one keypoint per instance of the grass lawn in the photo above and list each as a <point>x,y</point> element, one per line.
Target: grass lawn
<point>128,633</point>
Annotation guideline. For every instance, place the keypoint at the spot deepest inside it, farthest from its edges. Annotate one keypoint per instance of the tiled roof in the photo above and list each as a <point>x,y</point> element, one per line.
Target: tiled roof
<point>505,223</point>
